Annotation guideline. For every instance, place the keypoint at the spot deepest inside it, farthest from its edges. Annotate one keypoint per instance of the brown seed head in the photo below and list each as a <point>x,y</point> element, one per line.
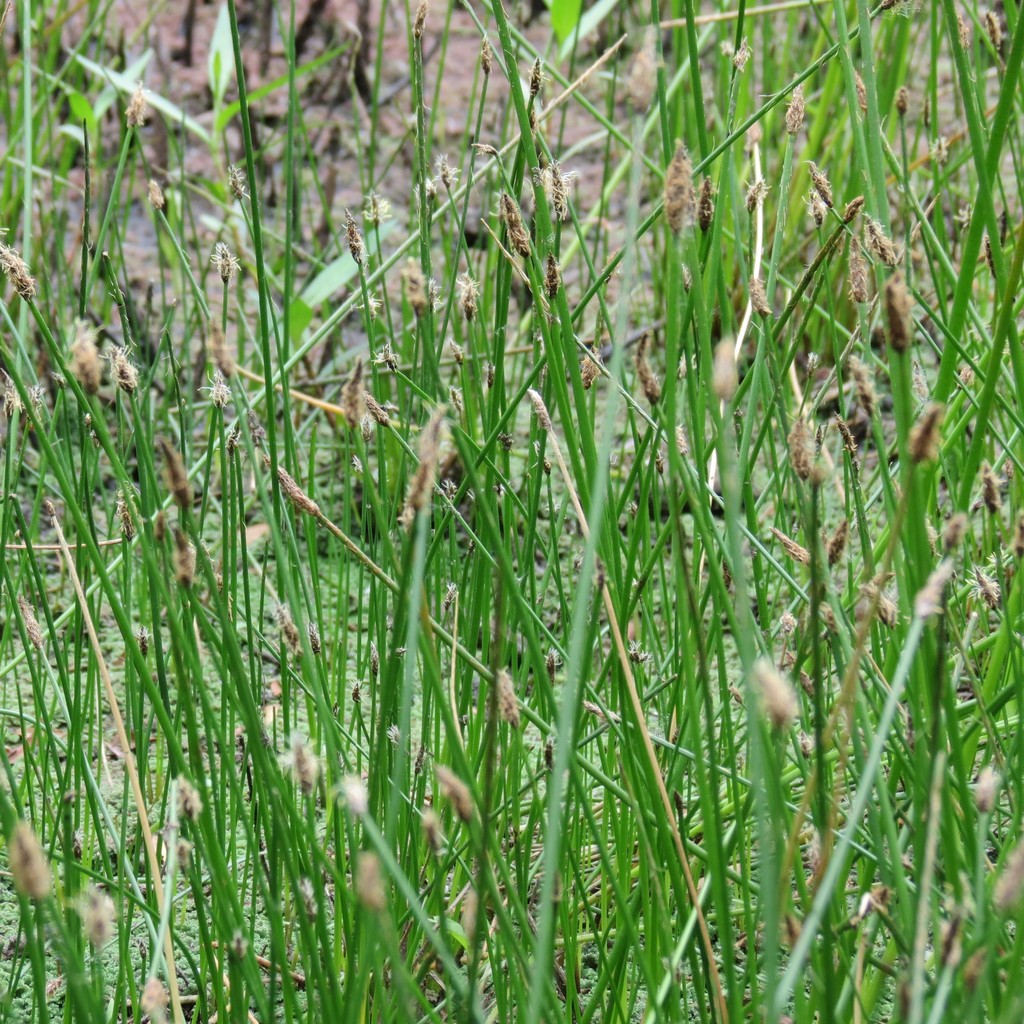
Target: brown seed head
<point>680,196</point>
<point>994,31</point>
<point>853,207</point>
<point>154,1001</point>
<point>724,375</point>
<point>369,882</point>
<point>455,791</point>
<point>32,628</point>
<point>795,111</point>
<point>225,262</point>
<point>288,630</point>
<point>590,370</point>
<point>552,276</point>
<point>902,101</point>
<point>293,492</point>
<point>862,91</point>
<point>238,183</point>
<point>420,20</point>
<point>837,543</point>
<point>15,269</point>
<point>126,377</point>
<point>29,867</point>
<point>986,789</point>
<point>174,474</point>
<point>137,108</point>
<point>795,551</point>
<point>540,410</point>
<point>376,410</point>
<point>517,233</point>
<point>898,306</point>
<point>156,194</point>
<point>928,601</point>
<point>301,761</point>
<point>536,78</point>
<point>486,57</point>
<point>925,436</point>
<point>858,273</point>
<point>706,204</point>
<point>184,559</point>
<point>469,292</point>
<point>354,238</point>
<point>821,184</point>
<point>991,490</point>
<point>953,534</point>
<point>85,358</point>
<point>880,244</point>
<point>756,194</point>
<point>508,706</point>
<point>759,298</point>
<point>864,385</point>
<point>647,377</point>
<point>801,449</point>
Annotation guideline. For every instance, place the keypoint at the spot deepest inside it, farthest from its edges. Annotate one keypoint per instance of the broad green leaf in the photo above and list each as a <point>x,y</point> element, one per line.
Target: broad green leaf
<point>565,16</point>
<point>81,110</point>
<point>126,85</point>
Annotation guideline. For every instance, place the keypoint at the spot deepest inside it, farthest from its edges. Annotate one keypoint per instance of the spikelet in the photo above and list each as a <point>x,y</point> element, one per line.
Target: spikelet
<point>369,882</point>
<point>759,298</point>
<point>777,697</point>
<point>455,791</point>
<point>175,475</point>
<point>648,380</point>
<point>137,111</point>
<point>991,490</point>
<point>33,630</point>
<point>680,196</point>
<point>724,375</point>
<point>928,601</point>
<point>422,484</point>
<point>837,543</point>
<point>706,204</point>
<point>508,706</point>
<point>353,396</point>
<point>795,111</point>
<point>15,269</point>
<point>821,184</point>
<point>795,551</point>
<point>880,244</point>
<point>858,273</point>
<point>924,438</point>
<point>1010,884</point>
<point>85,358</point>
<point>29,867</point>
<point>801,451</point>
<point>643,75</point>
<point>898,306</point>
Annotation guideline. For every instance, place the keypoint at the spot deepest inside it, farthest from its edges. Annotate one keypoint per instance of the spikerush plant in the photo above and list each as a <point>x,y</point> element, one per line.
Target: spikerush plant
<point>573,590</point>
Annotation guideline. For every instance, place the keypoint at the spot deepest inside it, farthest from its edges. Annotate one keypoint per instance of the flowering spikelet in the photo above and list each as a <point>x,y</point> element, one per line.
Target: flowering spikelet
<point>837,543</point>
<point>898,306</point>
<point>552,276</point>
<point>184,559</point>
<point>238,184</point>
<point>801,452</point>
<point>30,869</point>
<point>777,697</point>
<point>821,184</point>
<point>376,410</point>
<point>353,400</point>
<point>928,601</point>
<point>85,358</point>
<point>986,790</point>
<point>849,441</point>
<point>924,438</point>
<point>880,244</point>
<point>15,269</point>
<point>706,204</point>
<point>756,194</point>
<point>33,630</point>
<point>415,287</point>
<point>469,292</point>
<point>289,631</point>
<point>486,57</point>
<point>994,30</point>
<point>174,474</point>
<point>455,791</point>
<point>96,910</point>
<point>225,262</point>
<point>795,111</point>
<point>648,380</point>
<point>126,377</point>
<point>1008,888</point>
<point>137,110</point>
<point>590,370</point>
<point>858,273</point>
<point>536,78</point>
<point>902,101</point>
<point>817,208</point>
<point>680,196</point>
<point>795,551</point>
<point>986,588</point>
<point>423,479</point>
<point>156,194</point>
<point>508,706</point>
<point>517,233</point>
<point>540,410</point>
<point>355,239</point>
<point>853,208</point>
<point>991,490</point>
<point>293,492</point>
<point>555,184</point>
<point>759,298</point>
<point>420,20</point>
